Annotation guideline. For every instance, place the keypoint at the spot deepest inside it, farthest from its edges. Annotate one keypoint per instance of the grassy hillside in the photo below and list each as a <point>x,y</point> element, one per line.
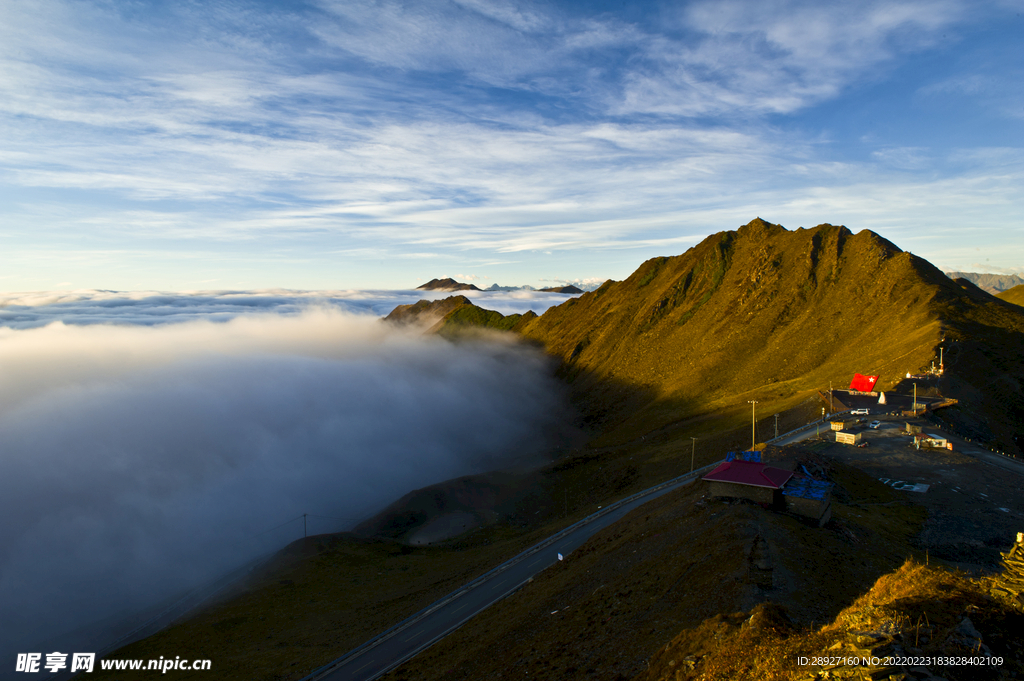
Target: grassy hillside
<point>768,314</point>
<point>455,316</point>
<point>984,365</point>
<point>918,610</point>
<point>321,596</point>
<point>674,563</point>
<point>1014,295</point>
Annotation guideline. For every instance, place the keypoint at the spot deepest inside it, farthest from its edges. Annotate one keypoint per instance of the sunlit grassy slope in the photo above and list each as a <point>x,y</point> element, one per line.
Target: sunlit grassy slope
<point>766,314</point>
<point>672,564</point>
<point>1014,295</point>
<point>454,315</point>
<point>922,611</point>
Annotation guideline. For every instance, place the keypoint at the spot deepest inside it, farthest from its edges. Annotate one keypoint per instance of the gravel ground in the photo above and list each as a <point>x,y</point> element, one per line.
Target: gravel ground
<point>974,499</point>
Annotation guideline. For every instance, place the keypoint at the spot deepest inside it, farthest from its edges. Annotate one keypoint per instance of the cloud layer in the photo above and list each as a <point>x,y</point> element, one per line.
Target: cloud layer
<point>150,308</point>
<point>137,461</point>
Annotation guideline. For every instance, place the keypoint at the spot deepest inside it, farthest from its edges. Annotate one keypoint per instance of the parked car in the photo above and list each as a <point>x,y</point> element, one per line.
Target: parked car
<point>864,411</point>
<point>874,424</point>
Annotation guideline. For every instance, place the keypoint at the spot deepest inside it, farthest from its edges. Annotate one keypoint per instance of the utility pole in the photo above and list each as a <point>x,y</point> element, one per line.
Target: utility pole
<point>304,525</point>
<point>753,423</point>
<point>776,426</point>
<point>693,452</point>
<point>831,402</point>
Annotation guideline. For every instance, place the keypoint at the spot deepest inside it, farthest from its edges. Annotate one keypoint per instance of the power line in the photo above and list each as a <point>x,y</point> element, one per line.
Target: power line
<point>303,517</point>
<point>277,527</point>
<point>331,517</point>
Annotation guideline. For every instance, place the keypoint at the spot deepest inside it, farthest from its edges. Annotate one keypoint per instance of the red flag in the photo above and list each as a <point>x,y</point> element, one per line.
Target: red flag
<point>862,383</point>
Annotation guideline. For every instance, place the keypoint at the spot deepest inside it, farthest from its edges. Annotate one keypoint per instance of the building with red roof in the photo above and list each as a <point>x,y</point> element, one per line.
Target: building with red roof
<point>747,480</point>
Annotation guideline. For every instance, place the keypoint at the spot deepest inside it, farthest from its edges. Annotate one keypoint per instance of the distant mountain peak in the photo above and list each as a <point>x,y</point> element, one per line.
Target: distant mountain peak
<point>497,287</point>
<point>455,315</point>
<point>447,284</point>
<point>758,225</point>
<point>993,283</point>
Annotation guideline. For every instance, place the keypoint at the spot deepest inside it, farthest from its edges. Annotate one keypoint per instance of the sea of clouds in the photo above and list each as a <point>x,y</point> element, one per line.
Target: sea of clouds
<point>140,457</point>
<point>28,310</point>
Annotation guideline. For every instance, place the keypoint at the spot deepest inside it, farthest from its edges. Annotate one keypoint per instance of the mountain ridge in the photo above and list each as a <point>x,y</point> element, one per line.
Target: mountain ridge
<point>446,284</point>
<point>992,283</point>
<point>455,316</point>
<point>769,315</point>
<point>568,288</point>
<point>1014,295</point>
<point>766,314</point>
<point>678,326</point>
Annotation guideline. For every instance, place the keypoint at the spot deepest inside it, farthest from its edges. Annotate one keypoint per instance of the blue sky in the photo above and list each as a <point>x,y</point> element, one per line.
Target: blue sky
<point>326,145</point>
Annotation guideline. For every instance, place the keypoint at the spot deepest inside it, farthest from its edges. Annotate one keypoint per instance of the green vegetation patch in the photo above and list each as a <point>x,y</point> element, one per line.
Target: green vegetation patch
<point>653,267</point>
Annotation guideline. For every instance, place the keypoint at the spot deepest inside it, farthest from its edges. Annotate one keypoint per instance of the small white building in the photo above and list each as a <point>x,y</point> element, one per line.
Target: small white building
<point>932,441</point>
<point>847,438</point>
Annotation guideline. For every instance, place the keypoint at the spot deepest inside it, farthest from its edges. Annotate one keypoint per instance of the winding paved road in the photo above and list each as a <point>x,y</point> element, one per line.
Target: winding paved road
<point>391,648</point>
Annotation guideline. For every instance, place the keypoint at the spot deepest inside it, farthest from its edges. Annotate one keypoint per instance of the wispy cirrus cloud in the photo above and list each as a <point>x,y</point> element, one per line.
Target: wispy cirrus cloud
<point>475,128</point>
<point>741,58</point>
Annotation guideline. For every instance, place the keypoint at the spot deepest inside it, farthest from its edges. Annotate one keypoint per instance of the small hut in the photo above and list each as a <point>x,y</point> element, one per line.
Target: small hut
<point>747,480</point>
<point>809,498</point>
<point>848,438</point>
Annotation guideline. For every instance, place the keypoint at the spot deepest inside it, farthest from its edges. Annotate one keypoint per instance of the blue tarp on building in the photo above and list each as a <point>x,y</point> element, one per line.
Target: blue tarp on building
<point>744,456</point>
<point>806,488</point>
